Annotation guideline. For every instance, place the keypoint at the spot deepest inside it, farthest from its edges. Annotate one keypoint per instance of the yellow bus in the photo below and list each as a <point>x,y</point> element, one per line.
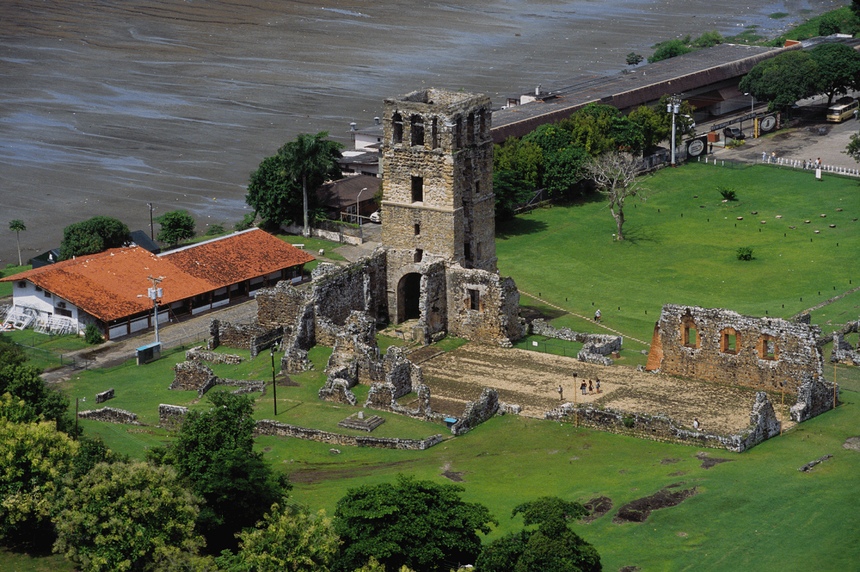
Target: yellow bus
<point>842,110</point>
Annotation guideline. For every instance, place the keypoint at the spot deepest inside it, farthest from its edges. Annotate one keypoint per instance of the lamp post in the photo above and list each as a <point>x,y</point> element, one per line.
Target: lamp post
<point>274,385</point>
<point>151,231</point>
<point>752,102</point>
<point>358,213</point>
<point>84,399</point>
<point>155,293</point>
<point>575,408</point>
<point>674,107</point>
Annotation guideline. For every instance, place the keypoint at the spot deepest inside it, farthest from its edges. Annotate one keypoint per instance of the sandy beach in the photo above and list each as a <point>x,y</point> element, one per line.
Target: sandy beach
<point>107,106</point>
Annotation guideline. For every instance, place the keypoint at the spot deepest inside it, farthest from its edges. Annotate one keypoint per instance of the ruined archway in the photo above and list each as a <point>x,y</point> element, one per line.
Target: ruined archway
<point>408,297</point>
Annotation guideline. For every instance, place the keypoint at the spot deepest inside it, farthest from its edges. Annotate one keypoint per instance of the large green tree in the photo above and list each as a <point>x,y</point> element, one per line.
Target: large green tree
<point>510,191</point>
<point>546,545</point>
<point>278,190</point>
<point>670,49</point>
<point>838,69</point>
<point>33,399</point>
<point>120,516</point>
<point>783,80</point>
<point>420,524</point>
<point>92,236</point>
<point>655,123</point>
<point>288,538</point>
<point>214,454</point>
<point>34,458</point>
<point>17,225</point>
<point>176,226</point>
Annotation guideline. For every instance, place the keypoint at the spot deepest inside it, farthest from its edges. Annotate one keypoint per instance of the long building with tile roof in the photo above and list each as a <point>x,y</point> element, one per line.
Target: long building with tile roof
<point>110,288</point>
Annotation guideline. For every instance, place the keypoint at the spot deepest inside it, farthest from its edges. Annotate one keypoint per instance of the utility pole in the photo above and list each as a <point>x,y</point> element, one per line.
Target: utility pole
<point>155,293</point>
<point>151,230</point>
<point>274,385</point>
<point>673,107</point>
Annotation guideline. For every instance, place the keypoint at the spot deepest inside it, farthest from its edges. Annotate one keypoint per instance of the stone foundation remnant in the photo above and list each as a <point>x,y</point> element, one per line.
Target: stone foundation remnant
<point>171,416</point>
<point>361,422</point>
<point>478,411</point>
<point>596,347</point>
<point>267,427</point>
<point>726,347</point>
<point>193,376</point>
<point>842,351</point>
<point>201,355</point>
<point>253,336</point>
<point>104,396</point>
<point>110,415</point>
<point>763,425</point>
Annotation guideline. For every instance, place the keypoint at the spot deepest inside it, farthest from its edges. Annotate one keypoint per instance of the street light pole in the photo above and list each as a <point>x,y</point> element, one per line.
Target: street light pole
<point>274,385</point>
<point>673,107</point>
<point>358,213</point>
<point>151,230</point>
<point>155,293</point>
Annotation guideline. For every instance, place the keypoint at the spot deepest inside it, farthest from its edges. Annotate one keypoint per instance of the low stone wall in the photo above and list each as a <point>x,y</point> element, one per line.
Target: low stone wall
<point>201,355</point>
<point>193,376</point>
<point>251,336</point>
<point>110,415</point>
<point>763,425</point>
<point>477,412</point>
<point>842,351</point>
<point>105,396</point>
<point>171,415</point>
<point>245,386</point>
<point>596,347</point>
<point>268,427</point>
<point>337,390</point>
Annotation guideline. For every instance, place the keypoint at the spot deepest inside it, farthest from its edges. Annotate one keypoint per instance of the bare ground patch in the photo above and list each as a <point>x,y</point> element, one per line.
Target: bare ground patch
<point>708,461</point>
<point>597,506</point>
<point>531,379</point>
<point>640,509</point>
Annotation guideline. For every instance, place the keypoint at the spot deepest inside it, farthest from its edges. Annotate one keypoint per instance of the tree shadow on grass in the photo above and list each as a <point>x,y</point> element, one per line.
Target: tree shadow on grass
<point>636,234</point>
<point>519,226</point>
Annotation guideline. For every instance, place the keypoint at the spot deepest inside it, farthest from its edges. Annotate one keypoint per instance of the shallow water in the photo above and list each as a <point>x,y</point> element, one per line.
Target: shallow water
<point>108,105</point>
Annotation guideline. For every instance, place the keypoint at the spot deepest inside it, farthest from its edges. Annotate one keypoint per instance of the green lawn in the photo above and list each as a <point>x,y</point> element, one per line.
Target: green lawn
<point>10,270</point>
<point>756,512</point>
<point>681,247</point>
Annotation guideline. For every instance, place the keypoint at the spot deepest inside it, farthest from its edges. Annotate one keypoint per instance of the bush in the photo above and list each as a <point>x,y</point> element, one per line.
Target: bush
<point>629,422</point>
<point>215,229</point>
<point>745,253</point>
<point>728,194</point>
<point>93,335</point>
<point>245,223</point>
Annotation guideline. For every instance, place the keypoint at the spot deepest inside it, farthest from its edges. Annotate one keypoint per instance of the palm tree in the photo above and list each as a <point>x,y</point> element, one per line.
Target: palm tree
<point>17,225</point>
<point>311,158</point>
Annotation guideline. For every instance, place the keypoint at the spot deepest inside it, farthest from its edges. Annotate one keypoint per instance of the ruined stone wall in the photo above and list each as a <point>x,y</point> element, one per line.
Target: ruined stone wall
<point>279,305</point>
<point>266,427</point>
<point>201,355</point>
<point>356,352</point>
<point>105,396</point>
<point>483,307</point>
<point>478,411</point>
<point>604,344</point>
<point>193,376</point>
<point>814,397</point>
<point>300,340</point>
<point>110,415</point>
<point>763,425</point>
<point>696,343</point>
<point>337,390</point>
<point>358,287</point>
<point>171,416</point>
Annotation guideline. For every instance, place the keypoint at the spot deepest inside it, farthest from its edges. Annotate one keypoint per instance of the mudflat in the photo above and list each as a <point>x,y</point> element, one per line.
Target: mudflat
<point>106,106</point>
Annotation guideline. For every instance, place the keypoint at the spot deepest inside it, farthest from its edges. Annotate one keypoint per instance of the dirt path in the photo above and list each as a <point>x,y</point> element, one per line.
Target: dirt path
<point>531,379</point>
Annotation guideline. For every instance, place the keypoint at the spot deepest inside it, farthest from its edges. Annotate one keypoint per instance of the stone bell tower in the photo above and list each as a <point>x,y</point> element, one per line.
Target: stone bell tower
<point>437,163</point>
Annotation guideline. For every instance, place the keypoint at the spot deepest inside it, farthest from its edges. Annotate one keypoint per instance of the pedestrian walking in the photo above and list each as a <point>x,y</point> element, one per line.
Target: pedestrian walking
<point>560,393</point>
<point>696,424</point>
<point>597,384</point>
<point>590,387</point>
<point>597,316</point>
<point>583,387</point>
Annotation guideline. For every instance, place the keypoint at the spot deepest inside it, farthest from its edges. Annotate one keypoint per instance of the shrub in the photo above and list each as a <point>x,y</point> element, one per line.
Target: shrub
<point>93,335</point>
<point>745,253</point>
<point>628,422</point>
<point>728,194</point>
<point>245,223</point>
<point>215,229</point>
<point>735,143</point>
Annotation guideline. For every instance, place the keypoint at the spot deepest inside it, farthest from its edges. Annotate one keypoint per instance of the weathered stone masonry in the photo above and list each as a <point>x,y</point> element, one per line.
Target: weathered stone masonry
<point>727,347</point>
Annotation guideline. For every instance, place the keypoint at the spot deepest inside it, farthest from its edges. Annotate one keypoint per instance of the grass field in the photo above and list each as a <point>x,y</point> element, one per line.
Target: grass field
<point>755,512</point>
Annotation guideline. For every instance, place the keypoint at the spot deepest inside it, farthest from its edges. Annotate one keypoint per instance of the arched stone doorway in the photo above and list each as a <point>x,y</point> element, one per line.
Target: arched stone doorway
<point>408,297</point>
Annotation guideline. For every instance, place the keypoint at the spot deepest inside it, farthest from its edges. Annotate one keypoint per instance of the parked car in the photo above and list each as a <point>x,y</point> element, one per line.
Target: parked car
<point>376,217</point>
<point>733,133</point>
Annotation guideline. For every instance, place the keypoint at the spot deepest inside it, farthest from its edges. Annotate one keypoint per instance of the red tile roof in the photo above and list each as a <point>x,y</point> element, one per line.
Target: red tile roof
<point>237,257</point>
<point>113,284</point>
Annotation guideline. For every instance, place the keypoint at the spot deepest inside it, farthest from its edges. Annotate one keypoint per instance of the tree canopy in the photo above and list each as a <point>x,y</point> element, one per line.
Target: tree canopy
<point>35,458</point>
<point>120,516</point>
<point>93,236</point>
<point>278,189</point>
<point>214,454</point>
<point>176,226</point>
<point>783,80</point>
<point>838,69</point>
<point>419,524</point>
<point>669,49</point>
<point>288,538</point>
<point>550,546</point>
